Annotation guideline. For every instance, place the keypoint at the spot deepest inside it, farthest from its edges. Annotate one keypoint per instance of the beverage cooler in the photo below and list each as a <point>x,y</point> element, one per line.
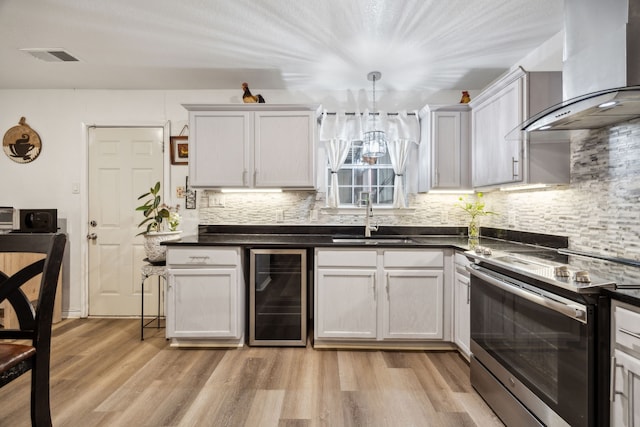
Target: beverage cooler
<point>278,297</point>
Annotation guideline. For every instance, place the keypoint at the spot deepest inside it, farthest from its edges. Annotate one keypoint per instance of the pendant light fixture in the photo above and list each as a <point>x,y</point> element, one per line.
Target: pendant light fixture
<point>374,142</point>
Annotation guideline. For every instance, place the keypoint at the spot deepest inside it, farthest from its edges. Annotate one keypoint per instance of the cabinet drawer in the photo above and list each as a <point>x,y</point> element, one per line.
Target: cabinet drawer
<point>403,258</point>
<point>346,258</point>
<point>203,256</point>
<point>627,328</point>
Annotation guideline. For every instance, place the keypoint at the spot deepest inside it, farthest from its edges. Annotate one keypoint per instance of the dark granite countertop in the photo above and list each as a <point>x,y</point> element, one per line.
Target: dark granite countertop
<point>386,236</point>
<point>314,240</point>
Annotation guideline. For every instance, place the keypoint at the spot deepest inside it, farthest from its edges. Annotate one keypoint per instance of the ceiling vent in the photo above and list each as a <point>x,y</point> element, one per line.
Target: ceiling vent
<point>51,54</point>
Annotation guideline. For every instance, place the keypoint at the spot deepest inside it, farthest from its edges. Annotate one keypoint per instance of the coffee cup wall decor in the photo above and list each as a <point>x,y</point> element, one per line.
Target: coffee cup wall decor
<point>21,143</point>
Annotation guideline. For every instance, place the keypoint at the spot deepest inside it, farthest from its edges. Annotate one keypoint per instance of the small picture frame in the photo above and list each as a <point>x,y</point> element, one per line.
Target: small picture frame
<point>179,150</point>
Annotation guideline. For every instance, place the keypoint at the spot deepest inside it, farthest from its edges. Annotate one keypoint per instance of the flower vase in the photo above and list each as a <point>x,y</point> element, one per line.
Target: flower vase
<point>474,233</point>
<point>157,253</point>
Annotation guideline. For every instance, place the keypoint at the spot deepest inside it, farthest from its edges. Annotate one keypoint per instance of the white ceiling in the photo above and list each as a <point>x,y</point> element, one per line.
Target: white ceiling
<point>275,44</point>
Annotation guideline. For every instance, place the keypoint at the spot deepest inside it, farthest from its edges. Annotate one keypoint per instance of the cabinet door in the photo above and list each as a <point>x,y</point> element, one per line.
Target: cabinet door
<point>413,304</point>
<point>203,303</point>
<point>447,149</point>
<point>497,160</point>
<point>625,404</point>
<point>284,149</point>
<point>219,154</point>
<point>462,316</point>
<point>345,303</point>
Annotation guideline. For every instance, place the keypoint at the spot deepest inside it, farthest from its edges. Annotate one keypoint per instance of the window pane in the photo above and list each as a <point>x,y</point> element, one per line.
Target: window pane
<point>346,195</point>
<point>385,195</point>
<point>344,177</point>
<point>386,176</point>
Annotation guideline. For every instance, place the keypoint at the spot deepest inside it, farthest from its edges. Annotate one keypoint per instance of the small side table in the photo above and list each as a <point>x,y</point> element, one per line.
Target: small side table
<point>148,270</point>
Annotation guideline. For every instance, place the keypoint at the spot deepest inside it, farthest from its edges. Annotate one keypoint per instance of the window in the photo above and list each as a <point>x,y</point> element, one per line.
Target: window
<point>361,174</point>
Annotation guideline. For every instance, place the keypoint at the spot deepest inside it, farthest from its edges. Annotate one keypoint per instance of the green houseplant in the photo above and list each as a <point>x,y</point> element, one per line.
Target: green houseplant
<point>153,209</point>
<point>475,208</point>
<point>160,224</point>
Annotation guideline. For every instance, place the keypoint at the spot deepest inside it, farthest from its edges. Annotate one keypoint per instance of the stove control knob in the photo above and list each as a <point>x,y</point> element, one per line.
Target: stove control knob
<point>582,276</point>
<point>562,271</point>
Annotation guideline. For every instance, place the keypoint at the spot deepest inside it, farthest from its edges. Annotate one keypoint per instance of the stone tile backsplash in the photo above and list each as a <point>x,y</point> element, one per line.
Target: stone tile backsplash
<point>599,210</point>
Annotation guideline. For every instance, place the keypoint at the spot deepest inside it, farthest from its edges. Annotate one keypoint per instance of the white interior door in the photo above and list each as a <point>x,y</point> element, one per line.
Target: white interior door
<point>123,164</point>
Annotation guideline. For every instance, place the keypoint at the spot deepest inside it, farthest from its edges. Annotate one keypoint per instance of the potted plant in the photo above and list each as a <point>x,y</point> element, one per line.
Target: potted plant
<point>160,224</point>
<point>475,209</point>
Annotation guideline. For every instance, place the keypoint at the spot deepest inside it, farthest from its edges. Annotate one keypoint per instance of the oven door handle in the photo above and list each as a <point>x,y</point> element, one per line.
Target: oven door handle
<point>572,311</point>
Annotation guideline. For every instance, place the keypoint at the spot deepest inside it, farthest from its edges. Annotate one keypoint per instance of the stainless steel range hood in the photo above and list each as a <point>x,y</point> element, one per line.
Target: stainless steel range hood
<point>592,111</point>
<point>601,67</point>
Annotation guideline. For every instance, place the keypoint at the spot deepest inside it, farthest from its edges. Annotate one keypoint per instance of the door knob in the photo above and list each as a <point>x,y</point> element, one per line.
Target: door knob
<point>93,223</point>
<point>92,236</point>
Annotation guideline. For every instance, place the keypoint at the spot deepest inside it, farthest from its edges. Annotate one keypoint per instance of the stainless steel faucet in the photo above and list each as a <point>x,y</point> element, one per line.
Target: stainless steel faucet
<point>368,228</point>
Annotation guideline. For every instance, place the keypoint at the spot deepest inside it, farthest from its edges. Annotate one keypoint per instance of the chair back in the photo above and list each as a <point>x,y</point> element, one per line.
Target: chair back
<point>34,322</point>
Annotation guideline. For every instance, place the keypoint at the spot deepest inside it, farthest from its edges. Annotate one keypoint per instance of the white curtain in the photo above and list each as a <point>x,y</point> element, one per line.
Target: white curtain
<point>336,133</point>
<point>402,131</point>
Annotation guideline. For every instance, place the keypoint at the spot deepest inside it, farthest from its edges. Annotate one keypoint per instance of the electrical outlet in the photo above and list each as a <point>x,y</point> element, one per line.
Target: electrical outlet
<point>313,215</point>
<point>279,215</point>
<point>444,217</point>
<point>511,220</point>
<point>216,200</point>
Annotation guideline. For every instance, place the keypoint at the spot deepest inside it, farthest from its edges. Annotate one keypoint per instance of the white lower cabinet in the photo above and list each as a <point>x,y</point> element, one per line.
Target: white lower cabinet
<point>625,360</point>
<point>346,303</point>
<point>390,295</point>
<point>461,306</point>
<point>205,296</point>
<point>412,304</point>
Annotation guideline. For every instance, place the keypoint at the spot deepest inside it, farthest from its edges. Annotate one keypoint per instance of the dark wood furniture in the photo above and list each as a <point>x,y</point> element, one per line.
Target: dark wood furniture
<point>32,351</point>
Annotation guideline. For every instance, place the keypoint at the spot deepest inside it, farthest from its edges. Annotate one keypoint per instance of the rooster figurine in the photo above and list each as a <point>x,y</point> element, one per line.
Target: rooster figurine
<point>248,98</point>
<point>465,97</point>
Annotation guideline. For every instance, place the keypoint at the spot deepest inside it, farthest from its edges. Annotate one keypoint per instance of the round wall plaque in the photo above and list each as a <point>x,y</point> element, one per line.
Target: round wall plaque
<point>21,143</point>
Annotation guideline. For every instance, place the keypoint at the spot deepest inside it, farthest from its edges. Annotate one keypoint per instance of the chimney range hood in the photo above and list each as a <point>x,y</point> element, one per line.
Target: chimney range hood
<point>592,111</point>
<point>601,68</point>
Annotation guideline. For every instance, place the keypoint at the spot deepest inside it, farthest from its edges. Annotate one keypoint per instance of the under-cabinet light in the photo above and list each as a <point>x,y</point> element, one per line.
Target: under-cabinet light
<point>451,192</point>
<point>251,190</point>
<point>524,187</point>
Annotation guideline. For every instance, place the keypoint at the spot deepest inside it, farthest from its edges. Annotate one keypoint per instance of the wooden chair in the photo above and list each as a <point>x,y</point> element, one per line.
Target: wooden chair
<point>34,323</point>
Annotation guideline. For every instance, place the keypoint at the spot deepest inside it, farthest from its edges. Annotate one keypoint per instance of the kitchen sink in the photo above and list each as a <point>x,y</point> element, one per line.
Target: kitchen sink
<point>372,240</point>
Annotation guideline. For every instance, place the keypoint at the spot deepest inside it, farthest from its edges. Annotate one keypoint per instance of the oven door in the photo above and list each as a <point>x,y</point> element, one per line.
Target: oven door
<point>537,344</point>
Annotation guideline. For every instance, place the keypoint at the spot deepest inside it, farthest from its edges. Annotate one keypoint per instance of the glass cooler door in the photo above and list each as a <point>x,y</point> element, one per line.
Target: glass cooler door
<point>277,297</point>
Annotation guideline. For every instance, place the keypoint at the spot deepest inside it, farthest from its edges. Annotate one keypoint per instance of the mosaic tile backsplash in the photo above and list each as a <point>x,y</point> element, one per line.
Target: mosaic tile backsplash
<point>599,210</point>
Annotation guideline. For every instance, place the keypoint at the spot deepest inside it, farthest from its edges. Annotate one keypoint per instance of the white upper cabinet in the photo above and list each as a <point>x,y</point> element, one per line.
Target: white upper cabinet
<point>219,148</point>
<point>242,146</point>
<point>445,148</point>
<point>501,156</point>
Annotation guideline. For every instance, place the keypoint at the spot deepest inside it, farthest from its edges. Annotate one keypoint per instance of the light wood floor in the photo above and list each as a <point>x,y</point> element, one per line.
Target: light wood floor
<point>103,375</point>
